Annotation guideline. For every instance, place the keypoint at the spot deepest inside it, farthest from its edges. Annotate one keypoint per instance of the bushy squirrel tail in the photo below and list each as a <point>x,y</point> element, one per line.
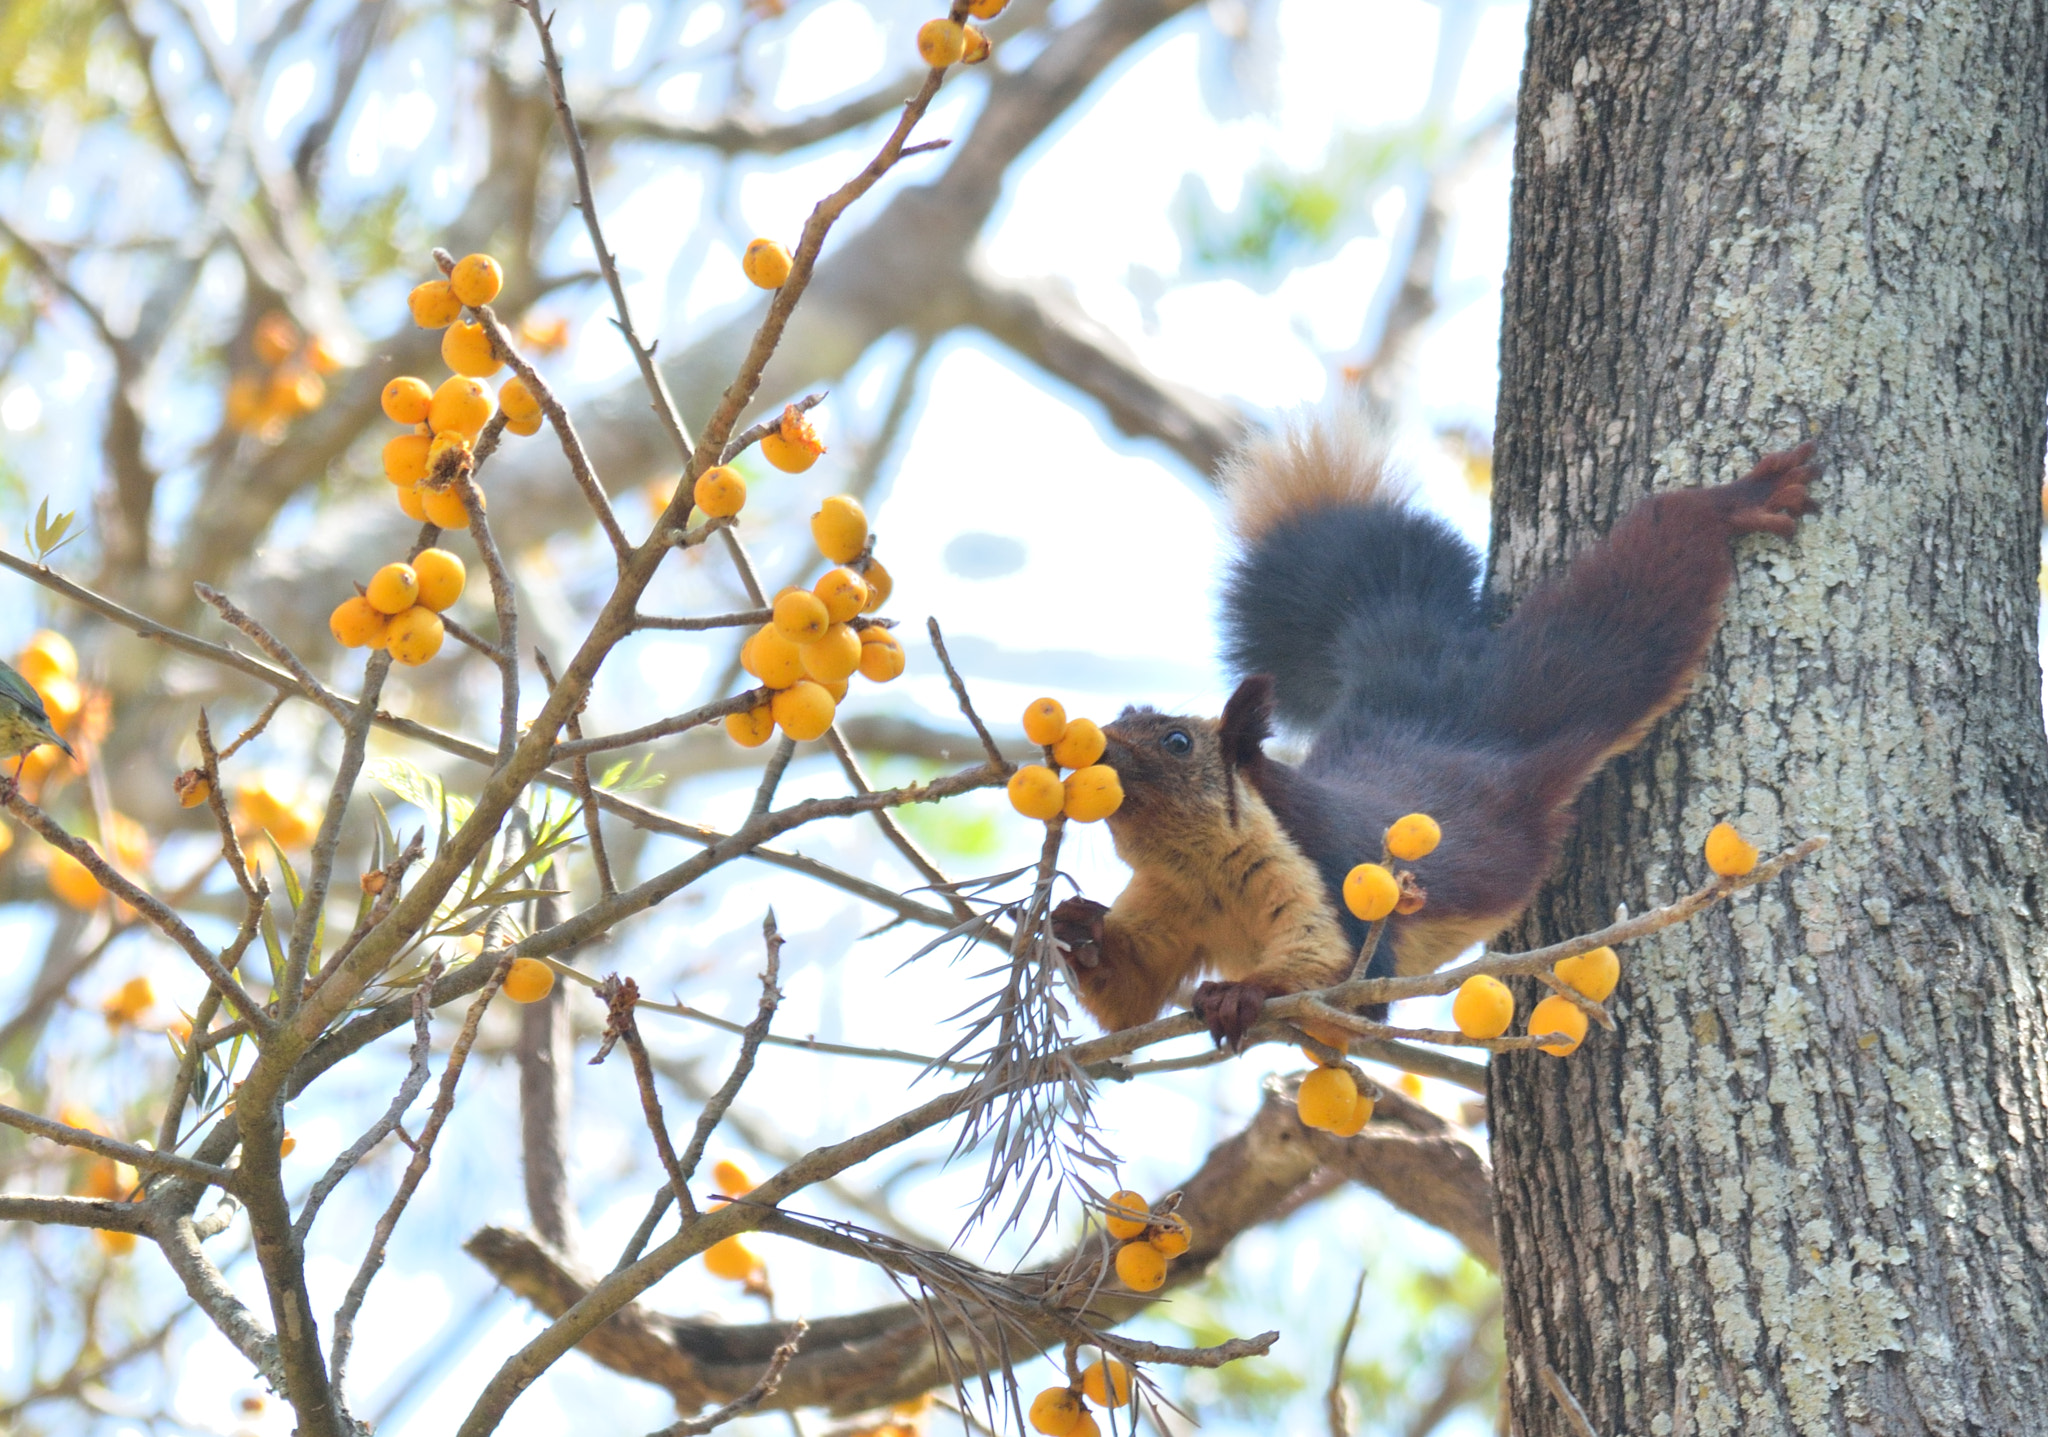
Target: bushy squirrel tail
<point>1338,586</point>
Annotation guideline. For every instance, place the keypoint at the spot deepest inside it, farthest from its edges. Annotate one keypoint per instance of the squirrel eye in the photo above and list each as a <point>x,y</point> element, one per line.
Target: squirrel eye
<point>1176,743</point>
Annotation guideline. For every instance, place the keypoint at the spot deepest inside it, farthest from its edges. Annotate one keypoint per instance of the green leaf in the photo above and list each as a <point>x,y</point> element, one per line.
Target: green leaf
<point>48,535</point>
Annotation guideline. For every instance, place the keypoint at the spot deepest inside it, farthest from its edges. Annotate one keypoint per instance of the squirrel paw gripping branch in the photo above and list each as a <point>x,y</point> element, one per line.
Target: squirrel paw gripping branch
<point>1358,620</point>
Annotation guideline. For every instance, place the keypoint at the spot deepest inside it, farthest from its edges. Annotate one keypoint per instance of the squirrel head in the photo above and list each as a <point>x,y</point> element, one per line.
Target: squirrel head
<point>1179,772</point>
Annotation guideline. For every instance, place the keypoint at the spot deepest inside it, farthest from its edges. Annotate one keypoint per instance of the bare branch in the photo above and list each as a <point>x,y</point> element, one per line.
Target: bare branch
<point>750,1399</point>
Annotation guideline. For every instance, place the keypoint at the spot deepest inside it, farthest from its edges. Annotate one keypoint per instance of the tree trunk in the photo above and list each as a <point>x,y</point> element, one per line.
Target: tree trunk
<point>1805,1187</point>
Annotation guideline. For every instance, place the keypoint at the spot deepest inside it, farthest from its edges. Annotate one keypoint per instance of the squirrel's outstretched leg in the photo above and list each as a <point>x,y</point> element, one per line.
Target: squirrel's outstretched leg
<point>1127,960</point>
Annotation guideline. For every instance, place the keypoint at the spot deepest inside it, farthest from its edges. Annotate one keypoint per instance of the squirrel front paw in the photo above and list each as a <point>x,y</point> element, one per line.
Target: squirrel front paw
<point>1077,928</point>
<point>1773,497</point>
<point>1230,1009</point>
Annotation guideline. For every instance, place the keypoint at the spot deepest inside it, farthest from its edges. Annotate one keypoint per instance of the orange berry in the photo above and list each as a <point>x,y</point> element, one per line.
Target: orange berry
<point>476,279</point>
<point>441,576</point>
<point>356,623</point>
<point>732,1259</point>
<point>881,656</point>
<point>1085,1427</point>
<point>1558,1014</point>
<point>447,455</point>
<point>843,592</point>
<point>1141,1266</point>
<point>393,589</point>
<point>47,655</point>
<point>800,617</point>
<point>412,502</point>
<point>517,401</point>
<point>191,786</point>
<point>293,390</point>
<point>114,1244</point>
<point>794,446</point>
<point>276,337</point>
<point>772,658</point>
<point>941,42</point>
<point>1414,836</point>
<point>527,427</point>
<point>73,882</point>
<point>975,47</point>
<point>406,400</point>
<point>833,656</point>
<point>766,263</point>
<point>840,528</point>
<point>987,9</point>
<point>433,304</point>
<point>244,407</point>
<point>1328,1098</point>
<point>1593,974</point>
<point>322,356</point>
<point>1171,1235</point>
<point>414,636</point>
<point>528,980</point>
<point>732,1179</point>
<point>1093,793</point>
<point>405,458</point>
<point>1361,1114</point>
<point>804,710</point>
<point>128,1002</point>
<point>1127,1214</point>
<point>1045,721</point>
<point>1370,892</point>
<point>1106,1383</point>
<point>1056,1412</point>
<point>1483,1008</point>
<point>750,728</point>
<point>1727,853</point>
<point>444,507</point>
<point>880,586</point>
<point>286,1143</point>
<point>1035,792</point>
<point>462,405</point>
<point>466,349</point>
<point>1081,744</point>
<point>720,493</point>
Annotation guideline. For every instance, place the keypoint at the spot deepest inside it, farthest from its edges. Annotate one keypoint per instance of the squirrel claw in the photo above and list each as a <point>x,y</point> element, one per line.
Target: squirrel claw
<point>1230,1009</point>
<point>1077,928</point>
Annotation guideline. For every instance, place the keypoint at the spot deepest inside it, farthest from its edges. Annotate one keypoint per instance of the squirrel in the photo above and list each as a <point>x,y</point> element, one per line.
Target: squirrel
<point>1353,617</point>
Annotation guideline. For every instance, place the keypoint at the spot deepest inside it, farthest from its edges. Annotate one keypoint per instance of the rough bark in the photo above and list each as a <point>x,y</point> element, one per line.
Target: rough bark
<point>1804,1188</point>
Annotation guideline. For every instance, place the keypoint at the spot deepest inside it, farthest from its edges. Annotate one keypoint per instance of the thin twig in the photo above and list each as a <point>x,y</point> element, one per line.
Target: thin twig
<point>988,740</point>
<point>276,648</point>
<point>1554,1384</point>
<point>745,618</point>
<point>620,995</point>
<point>409,1089</point>
<point>260,723</point>
<point>1335,1405</point>
<point>748,1400</point>
<point>754,435</point>
<point>146,1159</point>
<point>586,793</point>
<point>506,608</point>
<point>663,728</point>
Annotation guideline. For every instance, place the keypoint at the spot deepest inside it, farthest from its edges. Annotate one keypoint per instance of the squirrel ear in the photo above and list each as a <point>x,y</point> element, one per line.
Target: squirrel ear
<point>1247,720</point>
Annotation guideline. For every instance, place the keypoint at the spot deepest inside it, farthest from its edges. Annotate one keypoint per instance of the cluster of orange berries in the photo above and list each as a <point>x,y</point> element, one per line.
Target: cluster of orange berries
<point>447,420</point>
<point>946,41</point>
<point>819,637</point>
<point>1063,1411</point>
<point>287,382</point>
<point>1372,890</point>
<point>50,664</point>
<point>399,610</point>
<point>733,1258</point>
<point>1149,1239</point>
<point>1090,792</point>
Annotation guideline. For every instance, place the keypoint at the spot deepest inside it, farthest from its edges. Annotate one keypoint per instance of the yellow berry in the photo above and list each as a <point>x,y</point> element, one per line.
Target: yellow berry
<point>1483,1008</point>
<point>462,405</point>
<point>1106,1383</point>
<point>804,710</point>
<point>1085,1427</point>
<point>434,305</point>
<point>466,349</point>
<point>47,655</point>
<point>447,454</point>
<point>1045,721</point>
<point>528,426</point>
<point>1593,974</point>
<point>1171,1235</point>
<point>1361,1114</point>
<point>1328,1098</point>
<point>114,1244</point>
<point>1081,745</point>
<point>881,656</point>
<point>751,728</point>
<point>441,576</point>
<point>732,1179</point>
<point>880,586</point>
<point>476,279</point>
<point>1415,836</point>
<point>528,980</point>
<point>406,399</point>
<point>800,617</point>
<point>789,458</point>
<point>412,502</point>
<point>975,46</point>
<point>1370,892</point>
<point>192,787</point>
<point>1141,1266</point>
<point>444,507</point>
<point>129,1002</point>
<point>393,589</point>
<point>941,42</point>
<point>414,636</point>
<point>1127,1213</point>
<point>405,458</point>
<point>1035,792</point>
<point>987,9</point>
<point>1092,793</point>
<point>731,1259</point>
<point>73,882</point>
<point>286,1143</point>
<point>720,493</point>
<point>1056,1412</point>
<point>1727,853</point>
<point>1558,1014</point>
<point>766,263</point>
<point>356,624</point>
<point>843,592</point>
<point>517,400</point>
<point>840,528</point>
<point>833,656</point>
<point>772,658</point>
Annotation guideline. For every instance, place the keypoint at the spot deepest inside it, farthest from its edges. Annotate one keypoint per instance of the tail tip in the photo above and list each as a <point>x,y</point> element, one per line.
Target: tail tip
<point>1311,462</point>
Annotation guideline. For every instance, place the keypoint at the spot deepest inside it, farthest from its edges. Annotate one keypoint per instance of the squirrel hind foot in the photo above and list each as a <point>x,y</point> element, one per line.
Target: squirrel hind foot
<point>1230,1010</point>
